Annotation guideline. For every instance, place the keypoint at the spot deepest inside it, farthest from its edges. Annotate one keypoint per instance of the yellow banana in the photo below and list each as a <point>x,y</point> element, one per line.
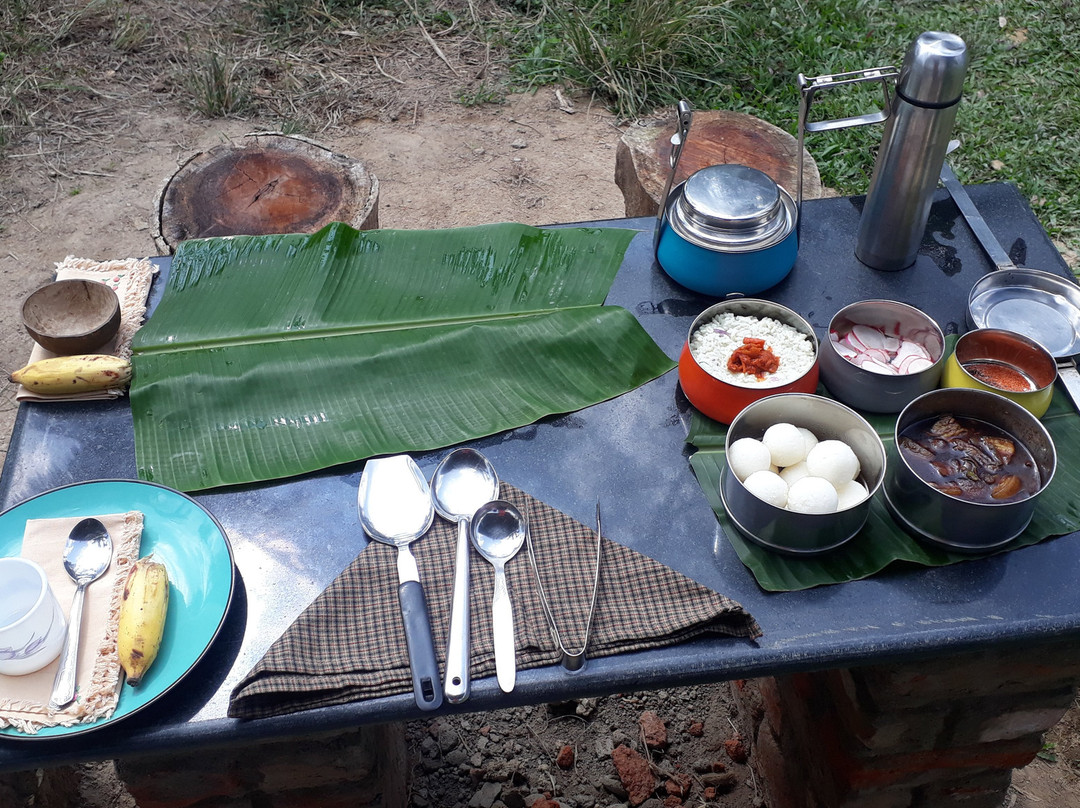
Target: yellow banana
<point>142,617</point>
<point>73,374</point>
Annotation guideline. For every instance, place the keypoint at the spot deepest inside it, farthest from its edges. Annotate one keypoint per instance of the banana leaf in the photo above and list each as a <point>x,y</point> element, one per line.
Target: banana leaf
<point>270,356</point>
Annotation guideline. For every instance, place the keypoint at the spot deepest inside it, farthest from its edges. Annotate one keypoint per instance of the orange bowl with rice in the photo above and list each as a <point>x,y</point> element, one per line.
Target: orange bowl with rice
<point>743,350</point>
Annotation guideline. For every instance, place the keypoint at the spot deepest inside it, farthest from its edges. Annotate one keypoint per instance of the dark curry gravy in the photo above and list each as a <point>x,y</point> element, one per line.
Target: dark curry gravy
<point>970,459</point>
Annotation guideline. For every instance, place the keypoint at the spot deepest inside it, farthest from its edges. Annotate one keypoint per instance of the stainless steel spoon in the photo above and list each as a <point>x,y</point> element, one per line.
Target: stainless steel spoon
<point>462,482</point>
<point>498,530</point>
<point>87,554</point>
<point>395,507</point>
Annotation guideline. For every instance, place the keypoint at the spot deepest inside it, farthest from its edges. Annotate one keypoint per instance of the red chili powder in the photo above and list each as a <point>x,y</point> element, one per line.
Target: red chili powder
<point>1002,377</point>
<point>753,357</point>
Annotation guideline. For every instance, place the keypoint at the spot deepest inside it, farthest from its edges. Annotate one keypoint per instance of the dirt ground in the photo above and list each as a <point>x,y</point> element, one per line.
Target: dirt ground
<point>439,166</point>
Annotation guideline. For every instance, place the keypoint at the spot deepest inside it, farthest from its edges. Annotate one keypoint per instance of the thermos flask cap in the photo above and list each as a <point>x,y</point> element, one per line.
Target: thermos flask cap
<point>933,71</point>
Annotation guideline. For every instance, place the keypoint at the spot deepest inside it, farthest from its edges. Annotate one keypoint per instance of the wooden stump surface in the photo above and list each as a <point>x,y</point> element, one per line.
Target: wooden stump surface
<point>269,183</point>
<point>716,137</point>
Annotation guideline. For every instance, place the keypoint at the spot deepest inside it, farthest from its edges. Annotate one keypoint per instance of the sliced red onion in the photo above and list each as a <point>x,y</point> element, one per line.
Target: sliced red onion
<point>872,349</point>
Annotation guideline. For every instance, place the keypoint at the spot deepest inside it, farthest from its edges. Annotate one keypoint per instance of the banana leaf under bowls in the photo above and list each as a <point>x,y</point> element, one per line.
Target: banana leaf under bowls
<point>787,531</point>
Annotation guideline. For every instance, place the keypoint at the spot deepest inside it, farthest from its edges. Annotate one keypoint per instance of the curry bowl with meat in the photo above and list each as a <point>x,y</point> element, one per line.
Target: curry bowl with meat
<point>966,469</point>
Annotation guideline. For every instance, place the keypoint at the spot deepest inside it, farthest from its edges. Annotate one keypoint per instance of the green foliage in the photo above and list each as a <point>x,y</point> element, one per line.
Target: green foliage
<point>484,94</point>
<point>291,18</point>
<point>1019,120</point>
<point>635,53</point>
<point>132,33</point>
<point>217,87</point>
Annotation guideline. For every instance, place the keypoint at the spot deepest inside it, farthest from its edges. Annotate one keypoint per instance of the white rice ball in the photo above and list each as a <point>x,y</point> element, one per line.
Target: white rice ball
<point>793,473</point>
<point>785,443</point>
<point>747,455</point>
<point>809,437</point>
<point>834,460</point>
<point>768,486</point>
<point>812,495</point>
<point>850,494</point>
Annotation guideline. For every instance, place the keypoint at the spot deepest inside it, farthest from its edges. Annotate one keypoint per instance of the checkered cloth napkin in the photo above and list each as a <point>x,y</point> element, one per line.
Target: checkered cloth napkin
<point>349,644</point>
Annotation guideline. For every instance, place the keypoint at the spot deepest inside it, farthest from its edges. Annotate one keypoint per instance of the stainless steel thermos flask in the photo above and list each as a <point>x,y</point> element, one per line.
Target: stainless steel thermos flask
<point>912,151</point>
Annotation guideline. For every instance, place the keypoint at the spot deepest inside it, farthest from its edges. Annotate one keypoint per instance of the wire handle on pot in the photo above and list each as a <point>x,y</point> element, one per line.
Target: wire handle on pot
<point>678,140</point>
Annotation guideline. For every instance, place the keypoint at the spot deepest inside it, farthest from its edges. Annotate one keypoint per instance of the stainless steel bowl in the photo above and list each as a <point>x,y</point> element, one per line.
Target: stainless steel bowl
<point>875,392</point>
<point>786,531</point>
<point>950,522</point>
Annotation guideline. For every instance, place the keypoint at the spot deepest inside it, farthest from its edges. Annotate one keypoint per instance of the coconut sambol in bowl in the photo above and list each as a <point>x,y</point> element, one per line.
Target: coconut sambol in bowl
<point>742,350</point>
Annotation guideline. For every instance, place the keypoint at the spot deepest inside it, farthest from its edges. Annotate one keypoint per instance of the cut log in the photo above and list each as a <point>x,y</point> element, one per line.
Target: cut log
<point>270,183</point>
<point>716,137</point>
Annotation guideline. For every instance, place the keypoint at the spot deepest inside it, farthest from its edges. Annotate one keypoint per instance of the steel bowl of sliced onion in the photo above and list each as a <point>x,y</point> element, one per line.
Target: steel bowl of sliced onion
<point>881,355</point>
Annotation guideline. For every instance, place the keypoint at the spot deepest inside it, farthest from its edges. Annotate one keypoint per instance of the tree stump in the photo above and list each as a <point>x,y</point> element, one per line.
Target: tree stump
<point>271,183</point>
<point>716,137</point>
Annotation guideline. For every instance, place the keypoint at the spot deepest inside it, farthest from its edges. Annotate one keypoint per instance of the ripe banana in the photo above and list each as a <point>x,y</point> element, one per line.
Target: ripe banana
<point>142,617</point>
<point>73,374</point>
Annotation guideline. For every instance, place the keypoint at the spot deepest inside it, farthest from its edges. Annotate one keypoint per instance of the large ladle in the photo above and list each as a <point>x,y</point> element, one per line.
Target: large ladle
<point>498,531</point>
<point>395,508</point>
<point>462,482</point>
<point>1043,306</point>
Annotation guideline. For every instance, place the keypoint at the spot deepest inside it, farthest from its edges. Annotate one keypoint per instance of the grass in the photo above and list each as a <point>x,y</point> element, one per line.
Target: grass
<point>1019,120</point>
<point>315,65</point>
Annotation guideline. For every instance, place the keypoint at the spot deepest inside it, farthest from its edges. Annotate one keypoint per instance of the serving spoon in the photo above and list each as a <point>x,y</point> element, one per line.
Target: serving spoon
<point>463,481</point>
<point>87,554</point>
<point>498,530</point>
<point>395,508</point>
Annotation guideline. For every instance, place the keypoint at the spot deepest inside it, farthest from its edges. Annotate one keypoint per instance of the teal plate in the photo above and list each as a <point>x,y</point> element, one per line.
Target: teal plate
<point>179,532</point>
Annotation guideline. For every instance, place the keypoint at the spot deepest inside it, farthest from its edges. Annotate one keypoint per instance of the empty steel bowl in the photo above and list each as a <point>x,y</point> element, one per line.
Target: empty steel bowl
<point>721,399</point>
<point>1005,363</point>
<point>870,390</point>
<point>948,521</point>
<point>787,531</point>
<point>72,316</point>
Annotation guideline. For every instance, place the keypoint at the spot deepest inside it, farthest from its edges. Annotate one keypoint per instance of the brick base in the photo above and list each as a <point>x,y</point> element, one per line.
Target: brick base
<point>934,734</point>
<point>364,768</point>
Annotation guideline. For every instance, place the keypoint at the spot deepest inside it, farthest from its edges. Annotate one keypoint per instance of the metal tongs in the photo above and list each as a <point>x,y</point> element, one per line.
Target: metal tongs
<point>571,660</point>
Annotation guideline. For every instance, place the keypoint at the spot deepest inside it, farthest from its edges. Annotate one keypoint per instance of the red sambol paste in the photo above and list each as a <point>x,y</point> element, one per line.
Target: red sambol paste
<point>753,357</point>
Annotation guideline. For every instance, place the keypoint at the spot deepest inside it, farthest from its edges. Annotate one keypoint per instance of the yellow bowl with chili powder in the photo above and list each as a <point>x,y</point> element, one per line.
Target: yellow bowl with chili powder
<point>1003,362</point>
<point>773,350</point>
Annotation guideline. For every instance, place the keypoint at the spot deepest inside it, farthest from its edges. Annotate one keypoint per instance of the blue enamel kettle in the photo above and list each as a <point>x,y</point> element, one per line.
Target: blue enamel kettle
<point>727,229</point>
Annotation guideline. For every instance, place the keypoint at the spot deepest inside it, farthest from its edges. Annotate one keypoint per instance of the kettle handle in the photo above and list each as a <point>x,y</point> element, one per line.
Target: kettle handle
<point>809,87</point>
<point>678,140</point>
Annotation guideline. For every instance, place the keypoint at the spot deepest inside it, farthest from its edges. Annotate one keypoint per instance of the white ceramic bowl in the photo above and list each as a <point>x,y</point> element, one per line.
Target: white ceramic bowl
<point>32,624</point>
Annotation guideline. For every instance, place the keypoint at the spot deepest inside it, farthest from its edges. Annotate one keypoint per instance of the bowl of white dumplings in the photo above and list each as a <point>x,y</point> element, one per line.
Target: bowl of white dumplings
<point>800,472</point>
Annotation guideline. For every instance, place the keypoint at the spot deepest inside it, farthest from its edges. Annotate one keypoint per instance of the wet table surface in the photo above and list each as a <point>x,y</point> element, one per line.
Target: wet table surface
<point>291,538</point>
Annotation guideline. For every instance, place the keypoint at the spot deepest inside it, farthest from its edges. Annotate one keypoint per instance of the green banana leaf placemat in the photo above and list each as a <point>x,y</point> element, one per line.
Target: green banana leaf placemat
<point>270,356</point>
<point>882,542</point>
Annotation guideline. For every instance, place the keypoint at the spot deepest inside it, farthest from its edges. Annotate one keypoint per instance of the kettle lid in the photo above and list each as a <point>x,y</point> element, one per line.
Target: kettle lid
<point>731,206</point>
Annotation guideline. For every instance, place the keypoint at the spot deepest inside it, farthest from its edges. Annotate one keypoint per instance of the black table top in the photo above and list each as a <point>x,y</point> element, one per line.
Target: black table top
<point>291,538</point>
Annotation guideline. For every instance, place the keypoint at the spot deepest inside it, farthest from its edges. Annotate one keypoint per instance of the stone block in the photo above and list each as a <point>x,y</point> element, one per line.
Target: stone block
<point>998,672</point>
<point>364,767</point>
